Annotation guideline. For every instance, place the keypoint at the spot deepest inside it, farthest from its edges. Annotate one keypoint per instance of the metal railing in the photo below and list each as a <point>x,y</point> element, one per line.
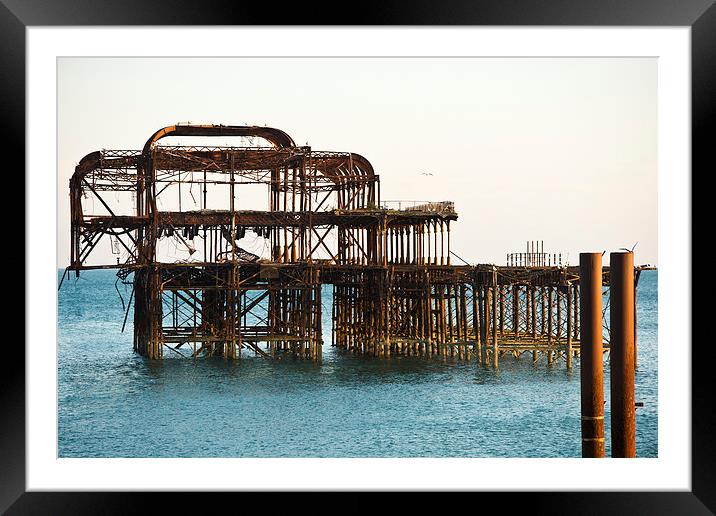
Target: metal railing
<point>424,206</point>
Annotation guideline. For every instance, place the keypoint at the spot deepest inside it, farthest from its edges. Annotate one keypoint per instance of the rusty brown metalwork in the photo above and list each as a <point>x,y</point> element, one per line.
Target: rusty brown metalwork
<point>622,330</point>
<point>591,372</point>
<point>395,289</point>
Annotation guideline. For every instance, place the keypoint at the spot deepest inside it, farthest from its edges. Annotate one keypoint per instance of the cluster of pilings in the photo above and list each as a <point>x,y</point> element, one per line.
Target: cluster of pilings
<point>414,312</point>
<point>622,310</point>
<point>221,309</point>
<point>465,312</point>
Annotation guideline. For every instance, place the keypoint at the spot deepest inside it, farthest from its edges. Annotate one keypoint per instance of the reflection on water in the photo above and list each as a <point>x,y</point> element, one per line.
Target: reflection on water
<point>113,403</point>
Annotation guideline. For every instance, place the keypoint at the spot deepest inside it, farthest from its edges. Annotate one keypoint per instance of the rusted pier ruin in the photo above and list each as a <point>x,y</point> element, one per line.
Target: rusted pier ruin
<point>180,219</point>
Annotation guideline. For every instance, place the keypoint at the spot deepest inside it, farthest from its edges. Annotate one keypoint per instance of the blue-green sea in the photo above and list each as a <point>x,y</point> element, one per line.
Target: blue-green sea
<point>113,403</point>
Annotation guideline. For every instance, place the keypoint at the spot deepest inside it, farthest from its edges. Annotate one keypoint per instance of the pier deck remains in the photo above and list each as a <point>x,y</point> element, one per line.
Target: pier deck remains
<point>389,264</point>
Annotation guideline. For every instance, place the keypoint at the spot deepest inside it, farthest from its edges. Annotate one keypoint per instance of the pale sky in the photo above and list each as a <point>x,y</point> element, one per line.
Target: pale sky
<point>556,149</point>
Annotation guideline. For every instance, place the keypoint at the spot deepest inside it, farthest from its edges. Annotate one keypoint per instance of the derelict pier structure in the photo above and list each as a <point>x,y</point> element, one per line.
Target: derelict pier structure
<point>314,220</point>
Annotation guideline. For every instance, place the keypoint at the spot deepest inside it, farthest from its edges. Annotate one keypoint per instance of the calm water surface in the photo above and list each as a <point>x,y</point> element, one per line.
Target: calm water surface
<point>113,403</point>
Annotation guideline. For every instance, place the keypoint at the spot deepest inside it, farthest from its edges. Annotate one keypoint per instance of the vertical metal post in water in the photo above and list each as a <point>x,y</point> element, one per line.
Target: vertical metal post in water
<point>569,326</point>
<point>636,321</point>
<point>621,352</point>
<point>591,370</point>
<point>495,350</point>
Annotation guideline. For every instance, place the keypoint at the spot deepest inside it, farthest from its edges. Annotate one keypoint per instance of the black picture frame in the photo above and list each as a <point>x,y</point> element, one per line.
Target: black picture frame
<point>16,15</point>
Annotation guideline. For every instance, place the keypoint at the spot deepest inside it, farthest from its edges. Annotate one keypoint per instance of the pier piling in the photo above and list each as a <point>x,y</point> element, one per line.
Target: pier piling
<point>591,371</point>
<point>621,346</point>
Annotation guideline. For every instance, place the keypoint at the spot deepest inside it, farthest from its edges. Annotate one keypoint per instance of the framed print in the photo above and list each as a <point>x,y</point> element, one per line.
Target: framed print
<point>425,249</point>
